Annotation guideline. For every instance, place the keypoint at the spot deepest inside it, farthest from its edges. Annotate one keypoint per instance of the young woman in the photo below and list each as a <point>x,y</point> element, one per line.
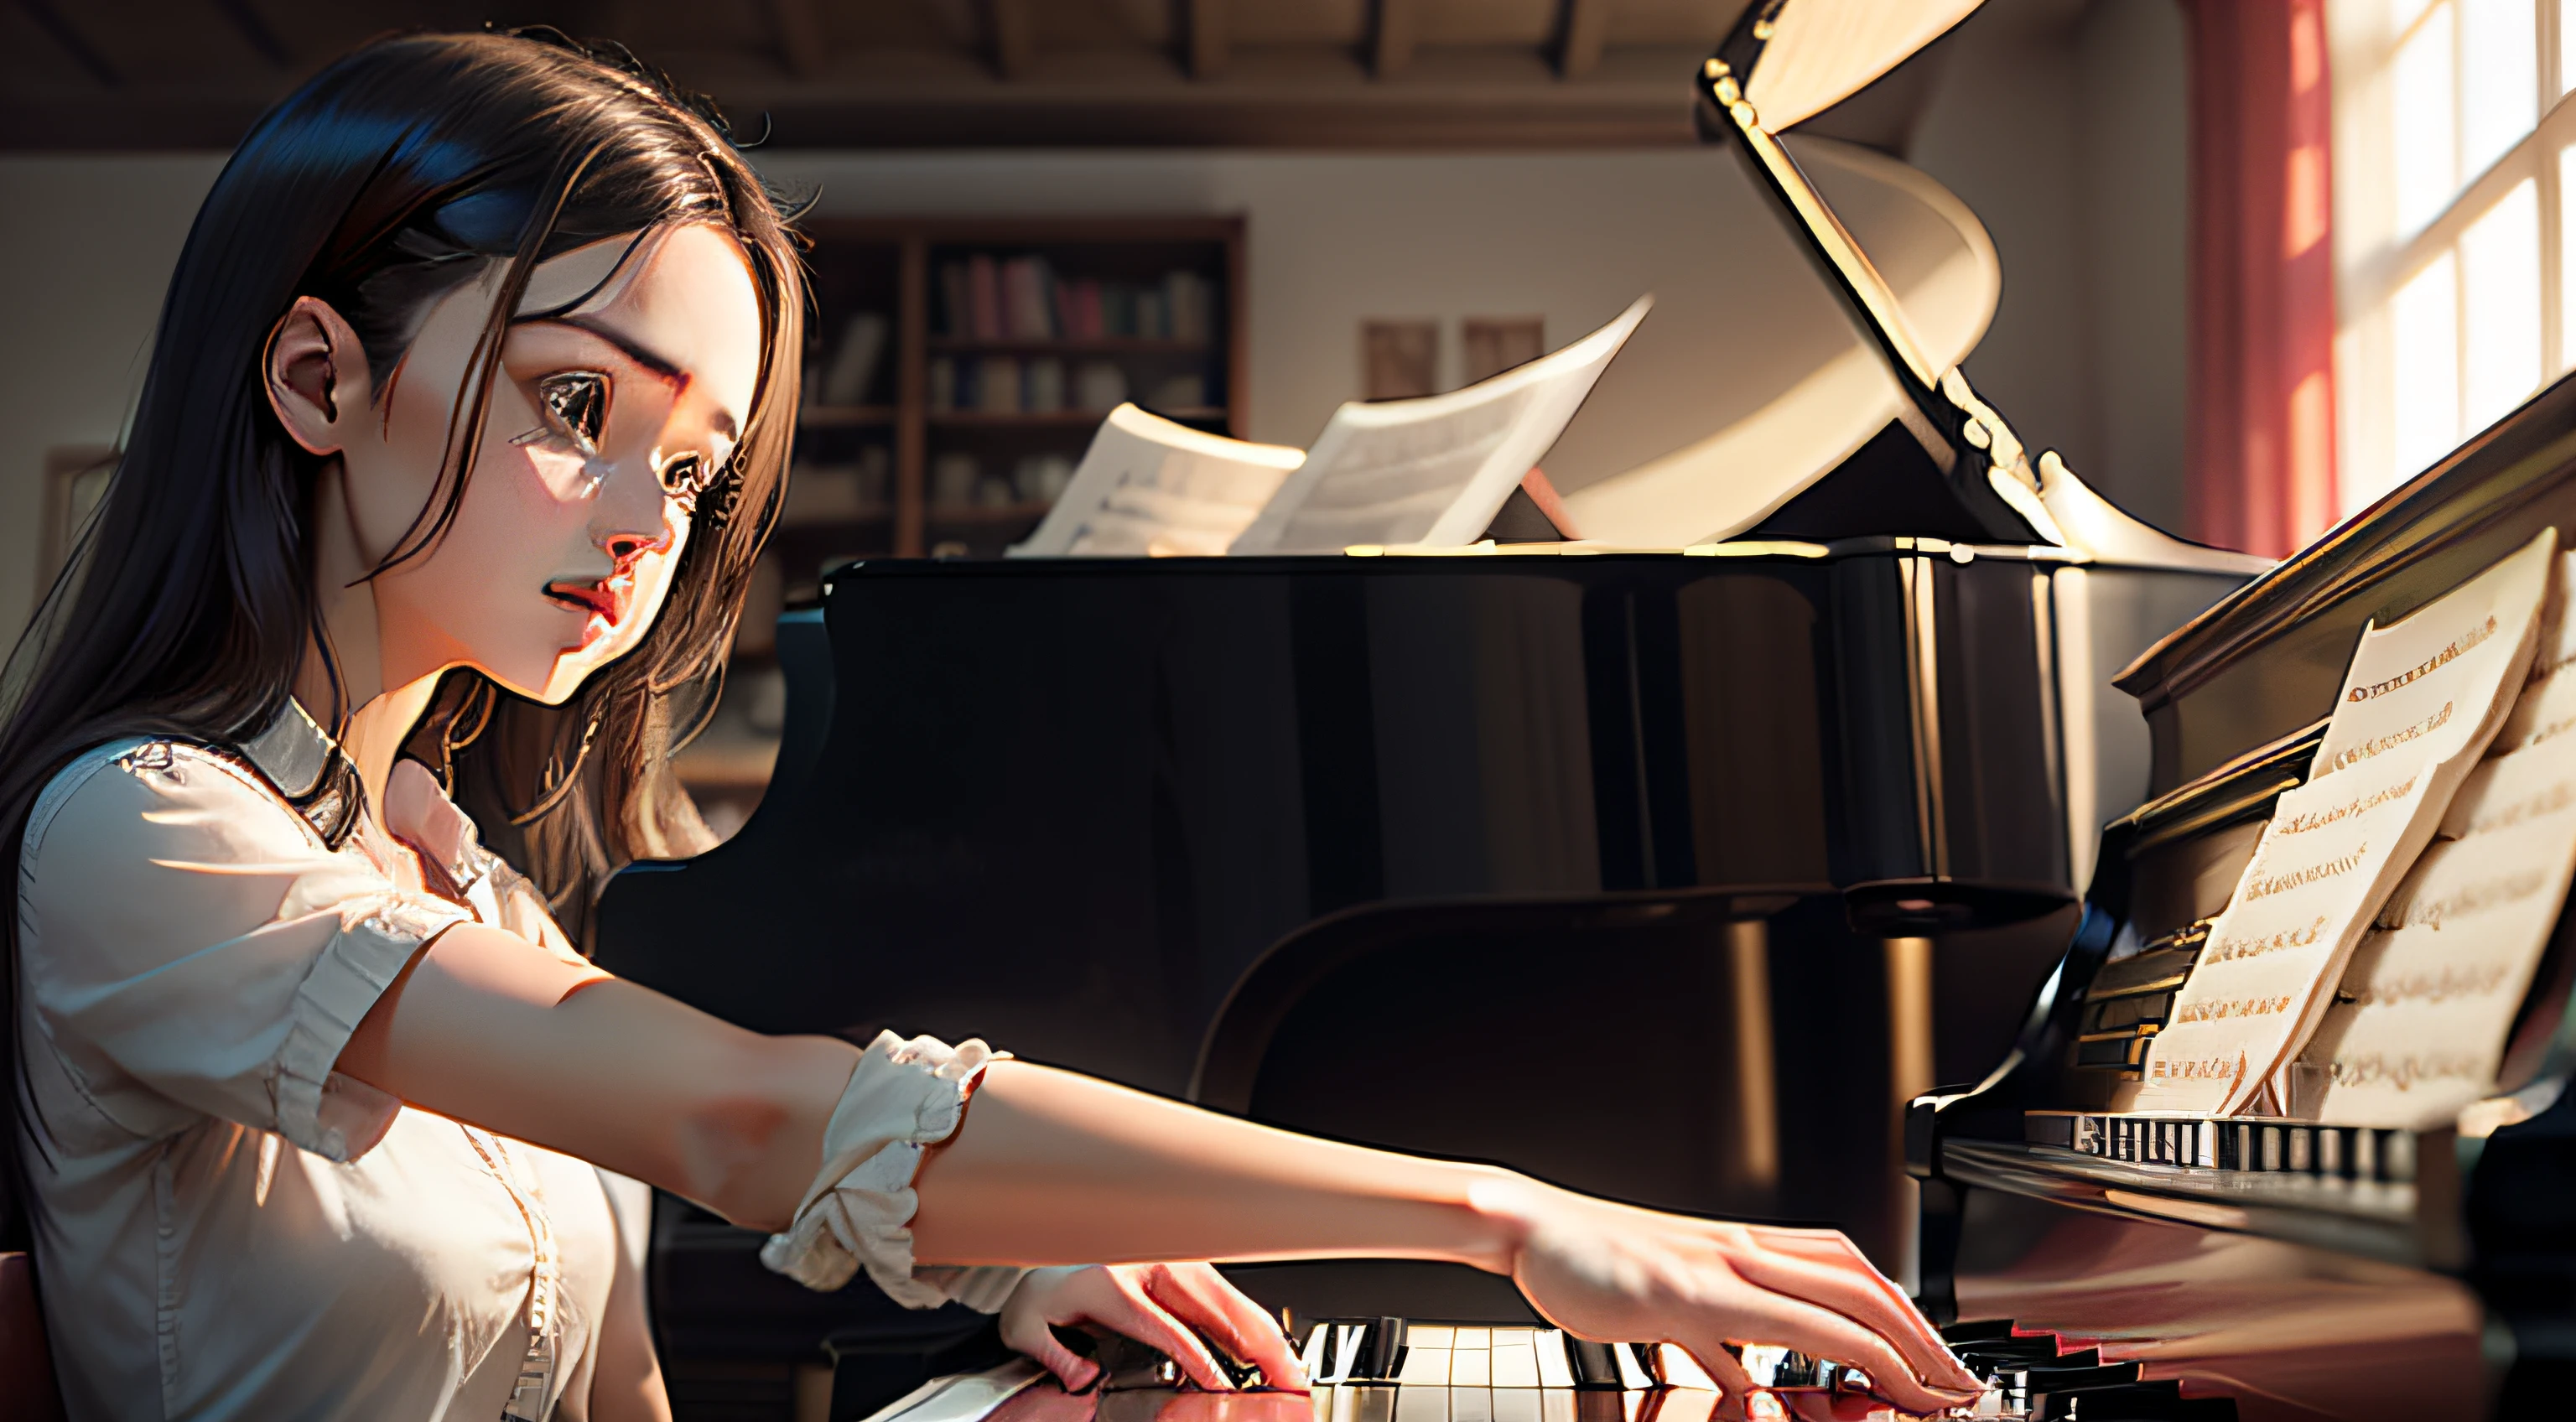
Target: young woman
<point>467,415</point>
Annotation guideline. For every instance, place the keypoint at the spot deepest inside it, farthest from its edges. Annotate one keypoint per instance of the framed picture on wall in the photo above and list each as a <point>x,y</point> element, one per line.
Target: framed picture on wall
<point>1399,359</point>
<point>1490,345</point>
<point>75,477</point>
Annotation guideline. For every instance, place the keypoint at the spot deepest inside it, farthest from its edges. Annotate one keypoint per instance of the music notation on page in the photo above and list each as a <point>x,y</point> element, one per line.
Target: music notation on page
<point>2420,703</point>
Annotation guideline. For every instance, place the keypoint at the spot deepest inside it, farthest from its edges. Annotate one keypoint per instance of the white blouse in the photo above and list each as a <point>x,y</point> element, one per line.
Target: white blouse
<point>226,1227</point>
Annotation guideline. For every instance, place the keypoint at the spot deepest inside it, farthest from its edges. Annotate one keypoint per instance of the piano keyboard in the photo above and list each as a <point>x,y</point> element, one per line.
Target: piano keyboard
<point>2236,1143</point>
<point>1393,1370</point>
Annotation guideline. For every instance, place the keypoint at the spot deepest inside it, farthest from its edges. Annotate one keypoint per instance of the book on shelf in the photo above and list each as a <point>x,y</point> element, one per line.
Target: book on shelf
<point>983,297</point>
<point>1433,471</point>
<point>853,367</point>
<point>1024,299</point>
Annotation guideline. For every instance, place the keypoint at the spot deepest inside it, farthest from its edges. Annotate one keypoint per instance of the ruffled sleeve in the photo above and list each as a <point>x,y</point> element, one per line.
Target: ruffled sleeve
<point>902,1098</point>
<point>189,947</point>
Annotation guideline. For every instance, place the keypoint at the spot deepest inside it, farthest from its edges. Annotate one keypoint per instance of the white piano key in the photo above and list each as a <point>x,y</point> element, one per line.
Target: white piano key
<point>1311,1356</point>
<point>1471,1404</point>
<point>1553,1368</point>
<point>1516,1404</point>
<point>1683,1370</point>
<point>1471,1367</point>
<point>1430,1335</point>
<point>1424,1365</point>
<point>1556,1404</point>
<point>1632,1374</point>
<point>1515,1357</point>
<point>1474,1338</point>
<point>1762,1362</point>
<point>1346,1350</point>
<point>1422,1404</point>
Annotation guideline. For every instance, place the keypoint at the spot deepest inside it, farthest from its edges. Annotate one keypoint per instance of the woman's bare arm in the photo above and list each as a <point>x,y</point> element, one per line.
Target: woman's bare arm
<point>485,1028</point>
<point>1053,1167</point>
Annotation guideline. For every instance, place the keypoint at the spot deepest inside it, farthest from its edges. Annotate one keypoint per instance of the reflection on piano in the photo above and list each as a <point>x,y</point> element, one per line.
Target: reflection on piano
<point>1371,845</point>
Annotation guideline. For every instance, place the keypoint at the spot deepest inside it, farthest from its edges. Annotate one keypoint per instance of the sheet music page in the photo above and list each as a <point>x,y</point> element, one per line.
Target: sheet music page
<point>1150,487</point>
<point>2418,1028</point>
<point>1433,471</point>
<point>2419,704</point>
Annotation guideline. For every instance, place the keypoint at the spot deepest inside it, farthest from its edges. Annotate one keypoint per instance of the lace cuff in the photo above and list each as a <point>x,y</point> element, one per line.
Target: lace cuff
<point>903,1096</point>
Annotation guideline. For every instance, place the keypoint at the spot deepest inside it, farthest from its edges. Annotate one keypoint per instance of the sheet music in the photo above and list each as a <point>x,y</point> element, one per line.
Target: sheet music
<point>1432,471</point>
<point>1150,487</point>
<point>2419,704</point>
<point>2418,1028</point>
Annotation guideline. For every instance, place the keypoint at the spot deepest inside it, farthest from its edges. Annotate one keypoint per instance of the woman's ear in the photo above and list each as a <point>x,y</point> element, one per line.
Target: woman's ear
<point>316,375</point>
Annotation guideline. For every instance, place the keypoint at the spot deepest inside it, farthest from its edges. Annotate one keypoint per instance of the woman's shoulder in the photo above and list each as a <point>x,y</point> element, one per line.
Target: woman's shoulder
<point>147,794</point>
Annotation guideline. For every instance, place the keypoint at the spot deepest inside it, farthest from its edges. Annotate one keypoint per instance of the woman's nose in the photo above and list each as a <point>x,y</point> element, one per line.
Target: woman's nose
<point>625,547</point>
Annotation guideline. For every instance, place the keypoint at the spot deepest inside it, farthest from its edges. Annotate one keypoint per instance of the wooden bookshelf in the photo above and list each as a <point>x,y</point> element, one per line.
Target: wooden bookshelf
<point>867,461</point>
<point>898,268</point>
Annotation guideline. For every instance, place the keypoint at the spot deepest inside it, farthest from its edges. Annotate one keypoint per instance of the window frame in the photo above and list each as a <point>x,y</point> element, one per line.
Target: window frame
<point>2374,261</point>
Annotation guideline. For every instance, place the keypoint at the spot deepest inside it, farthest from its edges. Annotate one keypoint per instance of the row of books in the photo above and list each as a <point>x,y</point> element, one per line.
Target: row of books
<point>823,493</point>
<point>1008,385</point>
<point>985,298</point>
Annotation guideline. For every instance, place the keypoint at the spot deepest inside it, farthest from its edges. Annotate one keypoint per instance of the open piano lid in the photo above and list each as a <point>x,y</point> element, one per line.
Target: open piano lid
<point>1884,435</point>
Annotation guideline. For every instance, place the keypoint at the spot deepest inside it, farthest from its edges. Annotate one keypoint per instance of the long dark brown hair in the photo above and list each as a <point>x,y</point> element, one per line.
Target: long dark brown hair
<point>403,171</point>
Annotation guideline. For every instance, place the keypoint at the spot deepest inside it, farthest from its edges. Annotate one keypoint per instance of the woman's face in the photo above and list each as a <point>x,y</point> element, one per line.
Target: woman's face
<point>603,417</point>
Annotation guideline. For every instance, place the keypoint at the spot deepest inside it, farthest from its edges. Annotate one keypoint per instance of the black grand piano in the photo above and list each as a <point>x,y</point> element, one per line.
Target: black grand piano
<point>1632,867</point>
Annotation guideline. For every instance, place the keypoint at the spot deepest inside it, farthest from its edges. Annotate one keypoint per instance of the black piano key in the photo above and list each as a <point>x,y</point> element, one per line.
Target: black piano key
<point>2014,1352</point>
<point>1979,1330</point>
<point>1381,1351</point>
<point>2050,1382</point>
<point>1592,1364</point>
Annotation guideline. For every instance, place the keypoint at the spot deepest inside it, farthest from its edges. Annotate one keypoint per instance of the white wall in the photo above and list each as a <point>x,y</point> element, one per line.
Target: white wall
<point>2063,124</point>
<point>1335,239</point>
<point>86,246</point>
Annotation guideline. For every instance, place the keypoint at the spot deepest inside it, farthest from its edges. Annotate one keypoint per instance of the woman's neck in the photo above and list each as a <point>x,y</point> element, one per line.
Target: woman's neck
<point>380,716</point>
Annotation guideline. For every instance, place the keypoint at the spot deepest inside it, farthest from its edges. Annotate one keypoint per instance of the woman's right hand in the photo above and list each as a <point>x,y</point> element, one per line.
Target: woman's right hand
<point>1616,1273</point>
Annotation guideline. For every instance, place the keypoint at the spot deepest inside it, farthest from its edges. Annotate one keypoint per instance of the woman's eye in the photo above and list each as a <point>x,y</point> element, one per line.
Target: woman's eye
<point>575,406</point>
<point>684,477</point>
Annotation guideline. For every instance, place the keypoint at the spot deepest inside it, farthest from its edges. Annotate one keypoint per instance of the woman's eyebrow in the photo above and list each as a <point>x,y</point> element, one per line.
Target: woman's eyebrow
<point>645,356</point>
<point>642,355</point>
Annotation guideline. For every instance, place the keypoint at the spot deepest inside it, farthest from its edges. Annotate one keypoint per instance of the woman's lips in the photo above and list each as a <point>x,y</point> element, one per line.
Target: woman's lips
<point>592,598</point>
<point>602,603</point>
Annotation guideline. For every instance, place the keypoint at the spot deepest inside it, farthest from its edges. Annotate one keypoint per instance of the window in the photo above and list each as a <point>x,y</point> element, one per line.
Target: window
<point>2455,247</point>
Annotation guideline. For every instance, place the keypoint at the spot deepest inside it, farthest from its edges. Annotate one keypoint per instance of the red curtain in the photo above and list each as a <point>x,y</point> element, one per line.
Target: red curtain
<point>2261,447</point>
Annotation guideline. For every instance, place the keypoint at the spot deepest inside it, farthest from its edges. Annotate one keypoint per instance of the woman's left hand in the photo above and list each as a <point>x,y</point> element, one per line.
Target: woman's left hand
<point>1158,1305</point>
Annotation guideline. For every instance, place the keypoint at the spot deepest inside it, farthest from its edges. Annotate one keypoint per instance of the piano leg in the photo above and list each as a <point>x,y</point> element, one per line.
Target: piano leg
<point>1753,1160</point>
<point>1910,1073</point>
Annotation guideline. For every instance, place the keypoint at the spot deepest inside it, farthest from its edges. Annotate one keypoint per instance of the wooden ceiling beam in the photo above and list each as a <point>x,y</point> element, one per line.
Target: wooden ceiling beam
<point>72,42</point>
<point>1393,27</point>
<point>801,46</point>
<point>1204,45</point>
<point>1579,36</point>
<point>1011,31</point>
<point>255,32</point>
